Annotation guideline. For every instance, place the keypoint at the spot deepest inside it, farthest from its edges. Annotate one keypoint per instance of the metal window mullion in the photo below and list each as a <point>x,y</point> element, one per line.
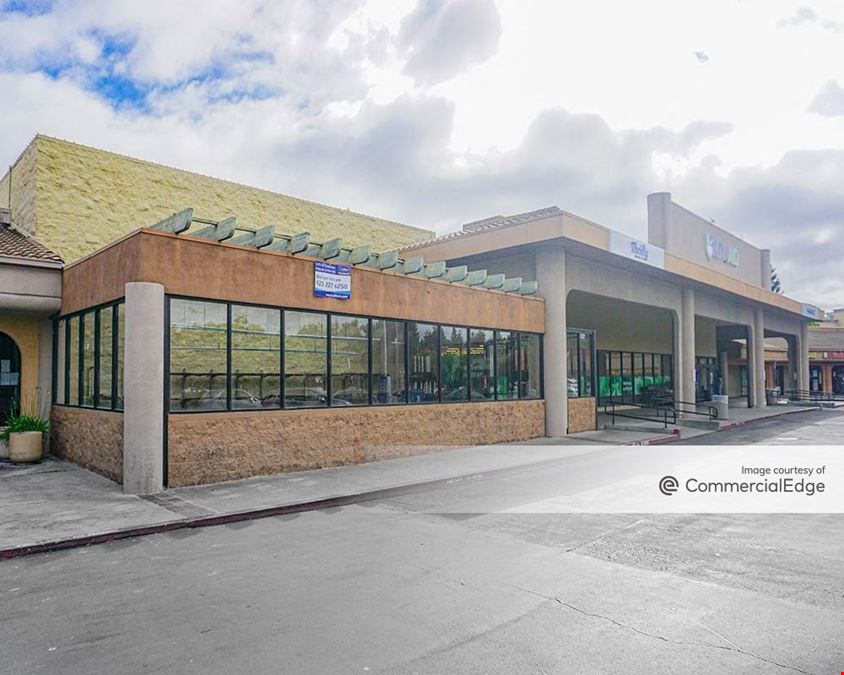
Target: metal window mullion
<point>369,356</point>
<point>494,365</point>
<point>66,369</point>
<point>80,375</point>
<point>439,369</point>
<point>407,362</point>
<point>96,392</point>
<point>281,358</point>
<point>115,341</point>
<point>228,356</point>
<point>328,364</point>
<point>541,366</point>
<point>467,332</point>
<point>54,362</point>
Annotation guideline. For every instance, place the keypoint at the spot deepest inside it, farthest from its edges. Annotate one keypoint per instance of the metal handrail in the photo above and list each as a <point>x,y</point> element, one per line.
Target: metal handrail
<point>711,410</point>
<point>813,396</point>
<point>662,413</point>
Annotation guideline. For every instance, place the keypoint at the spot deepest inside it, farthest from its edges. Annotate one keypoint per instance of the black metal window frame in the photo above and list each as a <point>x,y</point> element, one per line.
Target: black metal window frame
<point>576,369</point>
<point>406,322</point>
<point>64,379</point>
<point>642,357</point>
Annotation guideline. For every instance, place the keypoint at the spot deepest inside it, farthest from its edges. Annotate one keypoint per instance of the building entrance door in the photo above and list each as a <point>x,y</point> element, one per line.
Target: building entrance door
<point>779,378</point>
<point>10,377</point>
<point>815,378</point>
<point>838,380</point>
<point>704,377</point>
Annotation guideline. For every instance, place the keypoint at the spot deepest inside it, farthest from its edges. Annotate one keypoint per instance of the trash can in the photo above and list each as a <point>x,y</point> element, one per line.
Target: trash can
<point>722,405</point>
<point>772,396</point>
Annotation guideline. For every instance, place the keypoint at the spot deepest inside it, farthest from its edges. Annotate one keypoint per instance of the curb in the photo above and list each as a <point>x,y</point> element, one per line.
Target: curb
<point>266,512</point>
<point>742,423</point>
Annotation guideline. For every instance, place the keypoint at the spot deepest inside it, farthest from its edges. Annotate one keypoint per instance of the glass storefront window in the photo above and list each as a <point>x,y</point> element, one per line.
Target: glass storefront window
<point>627,377</point>
<point>106,334</point>
<point>481,355</point>
<point>121,341</point>
<point>454,363</point>
<point>255,357</point>
<point>228,357</point>
<point>585,368</point>
<point>571,365</point>
<point>530,363</point>
<point>388,362</point>
<point>604,386</point>
<point>197,355</point>
<point>505,364</point>
<point>615,375</point>
<point>349,360</point>
<point>73,362</point>
<point>305,359</point>
<point>89,338</point>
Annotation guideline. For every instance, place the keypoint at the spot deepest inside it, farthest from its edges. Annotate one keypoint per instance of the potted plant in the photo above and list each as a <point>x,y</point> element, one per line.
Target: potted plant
<point>24,435</point>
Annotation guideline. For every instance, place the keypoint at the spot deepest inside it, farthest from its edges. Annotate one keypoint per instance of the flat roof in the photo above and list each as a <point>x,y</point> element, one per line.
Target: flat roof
<point>547,225</point>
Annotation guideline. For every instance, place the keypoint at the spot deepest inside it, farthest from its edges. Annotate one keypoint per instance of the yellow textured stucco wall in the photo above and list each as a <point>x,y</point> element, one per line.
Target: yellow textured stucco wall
<point>87,198</point>
<point>24,331</point>
<point>21,198</point>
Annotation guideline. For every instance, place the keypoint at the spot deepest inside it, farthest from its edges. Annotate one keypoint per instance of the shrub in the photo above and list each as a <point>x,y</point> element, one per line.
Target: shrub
<point>18,423</point>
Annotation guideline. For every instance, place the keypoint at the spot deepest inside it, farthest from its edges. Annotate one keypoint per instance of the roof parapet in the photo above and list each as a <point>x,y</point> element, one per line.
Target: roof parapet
<point>265,238</point>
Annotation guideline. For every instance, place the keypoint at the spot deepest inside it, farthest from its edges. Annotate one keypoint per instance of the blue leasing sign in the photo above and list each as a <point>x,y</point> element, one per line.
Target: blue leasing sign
<point>332,281</point>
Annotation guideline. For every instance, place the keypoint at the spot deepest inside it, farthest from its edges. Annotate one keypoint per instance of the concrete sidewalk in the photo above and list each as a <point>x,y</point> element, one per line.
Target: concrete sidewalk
<point>57,504</point>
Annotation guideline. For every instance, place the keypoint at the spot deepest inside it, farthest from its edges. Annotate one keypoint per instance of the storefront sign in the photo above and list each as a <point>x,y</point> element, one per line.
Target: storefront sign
<point>332,281</point>
<point>717,249</point>
<point>621,244</point>
<point>811,311</point>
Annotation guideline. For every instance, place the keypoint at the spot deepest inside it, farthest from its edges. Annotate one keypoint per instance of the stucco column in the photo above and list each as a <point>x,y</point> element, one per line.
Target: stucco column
<point>724,370</point>
<point>757,356</point>
<point>143,389</point>
<point>686,375</point>
<point>551,276</point>
<point>792,367</point>
<point>803,358</point>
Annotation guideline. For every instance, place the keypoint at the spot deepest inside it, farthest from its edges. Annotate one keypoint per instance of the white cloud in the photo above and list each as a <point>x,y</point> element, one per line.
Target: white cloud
<point>830,100</point>
<point>435,114</point>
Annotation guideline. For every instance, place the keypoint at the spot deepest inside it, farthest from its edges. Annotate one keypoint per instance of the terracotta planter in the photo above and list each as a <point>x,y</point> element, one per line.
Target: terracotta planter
<point>26,446</point>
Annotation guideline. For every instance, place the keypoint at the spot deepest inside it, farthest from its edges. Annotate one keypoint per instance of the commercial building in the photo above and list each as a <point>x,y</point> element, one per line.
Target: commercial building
<point>628,319</point>
<point>255,333</point>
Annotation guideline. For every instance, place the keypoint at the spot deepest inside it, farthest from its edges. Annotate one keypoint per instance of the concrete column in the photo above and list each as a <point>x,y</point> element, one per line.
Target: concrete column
<point>143,389</point>
<point>757,357</point>
<point>551,276</point>
<point>724,370</point>
<point>686,374</point>
<point>791,367</point>
<point>826,375</point>
<point>803,357</point>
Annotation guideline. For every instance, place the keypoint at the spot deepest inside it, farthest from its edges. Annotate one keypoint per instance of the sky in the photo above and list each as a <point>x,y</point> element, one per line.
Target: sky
<point>439,112</point>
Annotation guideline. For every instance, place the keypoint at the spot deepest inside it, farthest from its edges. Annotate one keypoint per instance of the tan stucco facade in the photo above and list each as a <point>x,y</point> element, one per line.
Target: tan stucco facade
<point>76,199</point>
<point>25,331</point>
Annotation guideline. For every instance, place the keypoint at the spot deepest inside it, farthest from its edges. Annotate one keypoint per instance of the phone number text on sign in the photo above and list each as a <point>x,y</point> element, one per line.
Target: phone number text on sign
<point>332,281</point>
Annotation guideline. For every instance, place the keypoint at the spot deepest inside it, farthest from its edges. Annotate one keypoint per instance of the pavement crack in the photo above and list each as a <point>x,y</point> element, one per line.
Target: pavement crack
<point>729,647</point>
<point>613,530</point>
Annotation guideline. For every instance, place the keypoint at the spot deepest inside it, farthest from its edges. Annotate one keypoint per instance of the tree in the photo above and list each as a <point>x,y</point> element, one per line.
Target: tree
<point>776,286</point>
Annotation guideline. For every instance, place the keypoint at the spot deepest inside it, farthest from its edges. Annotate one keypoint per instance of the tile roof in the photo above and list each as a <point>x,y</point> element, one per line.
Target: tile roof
<point>15,244</point>
<point>489,224</point>
<point>826,339</point>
